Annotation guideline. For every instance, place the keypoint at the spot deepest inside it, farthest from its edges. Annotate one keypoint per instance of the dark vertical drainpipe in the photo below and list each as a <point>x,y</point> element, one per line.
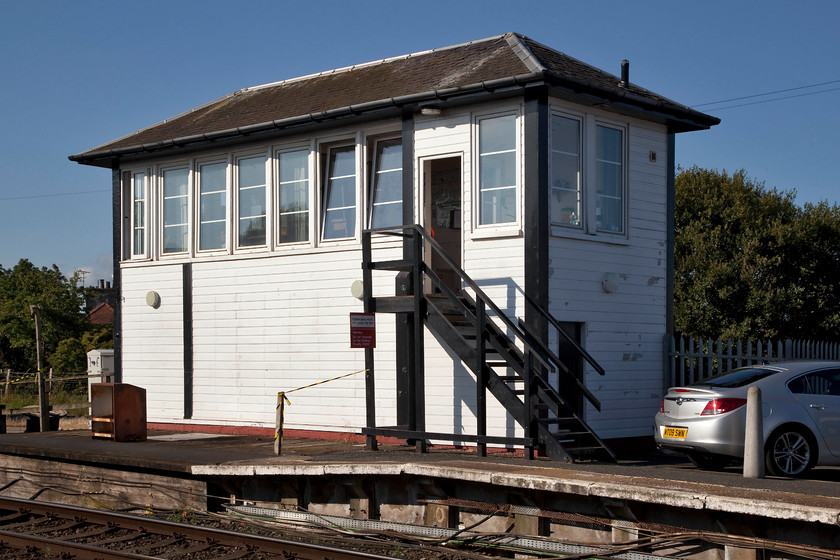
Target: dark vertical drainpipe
<point>188,340</point>
<point>670,207</point>
<point>405,347</point>
<point>116,247</point>
<point>536,226</point>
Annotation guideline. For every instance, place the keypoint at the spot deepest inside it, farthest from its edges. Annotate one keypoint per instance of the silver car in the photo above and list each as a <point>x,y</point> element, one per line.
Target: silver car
<point>801,411</point>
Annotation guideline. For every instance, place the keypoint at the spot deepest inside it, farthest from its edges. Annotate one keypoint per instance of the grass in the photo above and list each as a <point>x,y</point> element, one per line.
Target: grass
<point>62,393</point>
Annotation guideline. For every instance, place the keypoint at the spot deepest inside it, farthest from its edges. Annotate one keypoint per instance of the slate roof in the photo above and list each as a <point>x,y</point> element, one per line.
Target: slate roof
<point>504,63</point>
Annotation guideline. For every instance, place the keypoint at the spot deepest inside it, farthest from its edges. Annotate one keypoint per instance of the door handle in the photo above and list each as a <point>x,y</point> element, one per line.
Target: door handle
<point>817,406</point>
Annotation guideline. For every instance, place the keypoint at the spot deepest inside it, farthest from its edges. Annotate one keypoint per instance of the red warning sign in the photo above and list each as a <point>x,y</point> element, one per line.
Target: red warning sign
<point>362,330</point>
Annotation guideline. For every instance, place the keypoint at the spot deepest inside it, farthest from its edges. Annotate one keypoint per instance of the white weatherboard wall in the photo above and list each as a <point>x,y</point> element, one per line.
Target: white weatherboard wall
<point>496,264</point>
<point>275,321</point>
<point>623,330</point>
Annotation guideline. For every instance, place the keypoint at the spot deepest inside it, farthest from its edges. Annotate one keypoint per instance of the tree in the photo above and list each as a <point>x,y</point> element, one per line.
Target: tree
<point>62,300</point>
<point>750,263</point>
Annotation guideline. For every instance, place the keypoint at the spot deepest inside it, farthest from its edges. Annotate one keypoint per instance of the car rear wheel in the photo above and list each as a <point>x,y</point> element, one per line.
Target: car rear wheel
<point>709,461</point>
<point>790,452</point>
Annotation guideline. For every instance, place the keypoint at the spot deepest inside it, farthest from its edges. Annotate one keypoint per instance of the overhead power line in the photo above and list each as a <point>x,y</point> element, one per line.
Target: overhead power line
<point>799,88</point>
<point>53,195</point>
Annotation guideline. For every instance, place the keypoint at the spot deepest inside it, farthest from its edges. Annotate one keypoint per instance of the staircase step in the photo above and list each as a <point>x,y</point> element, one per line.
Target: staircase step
<point>511,378</point>
<point>499,364</point>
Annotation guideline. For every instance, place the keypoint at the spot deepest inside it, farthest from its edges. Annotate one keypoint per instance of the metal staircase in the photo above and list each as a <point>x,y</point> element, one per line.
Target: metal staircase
<point>507,358</point>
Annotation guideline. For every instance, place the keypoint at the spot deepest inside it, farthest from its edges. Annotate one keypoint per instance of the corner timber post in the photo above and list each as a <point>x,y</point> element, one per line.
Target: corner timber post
<point>369,307</point>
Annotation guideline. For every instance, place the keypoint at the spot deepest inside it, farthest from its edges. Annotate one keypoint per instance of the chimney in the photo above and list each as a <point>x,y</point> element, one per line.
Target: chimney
<point>101,284</point>
<point>107,285</point>
<point>625,73</point>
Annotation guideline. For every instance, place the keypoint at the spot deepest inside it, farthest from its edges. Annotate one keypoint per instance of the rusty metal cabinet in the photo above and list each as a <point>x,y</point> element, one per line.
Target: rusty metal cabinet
<point>118,411</point>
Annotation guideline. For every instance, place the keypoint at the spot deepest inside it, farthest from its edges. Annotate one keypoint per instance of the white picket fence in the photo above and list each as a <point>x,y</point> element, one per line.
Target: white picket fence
<point>691,359</point>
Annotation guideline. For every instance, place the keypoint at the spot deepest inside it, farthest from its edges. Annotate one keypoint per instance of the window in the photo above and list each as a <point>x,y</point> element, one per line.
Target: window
<point>293,196</point>
<point>138,215</point>
<point>497,170</point>
<point>386,185</point>
<point>175,210</point>
<point>587,175</point>
<point>252,204</point>
<point>566,207</point>
<point>826,382</point>
<point>212,229</point>
<point>609,179</point>
<point>340,193</point>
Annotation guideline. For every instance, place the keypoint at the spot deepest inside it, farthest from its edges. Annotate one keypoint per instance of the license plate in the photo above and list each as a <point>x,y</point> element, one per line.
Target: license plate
<point>678,433</point>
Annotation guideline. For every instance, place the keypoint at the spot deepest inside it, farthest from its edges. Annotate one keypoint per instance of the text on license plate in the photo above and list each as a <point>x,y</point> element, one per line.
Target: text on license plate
<point>679,433</point>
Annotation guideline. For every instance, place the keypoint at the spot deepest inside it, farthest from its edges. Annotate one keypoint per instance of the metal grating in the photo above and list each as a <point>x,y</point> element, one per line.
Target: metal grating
<point>439,533</point>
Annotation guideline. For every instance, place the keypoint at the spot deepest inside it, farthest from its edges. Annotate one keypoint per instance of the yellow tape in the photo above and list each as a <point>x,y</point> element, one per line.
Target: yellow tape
<point>281,396</point>
<point>320,383</point>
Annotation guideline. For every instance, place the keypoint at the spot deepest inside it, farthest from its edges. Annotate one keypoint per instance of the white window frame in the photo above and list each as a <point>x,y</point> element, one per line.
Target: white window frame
<point>144,226</point>
<point>162,170</point>
<point>374,144</point>
<point>499,228</point>
<point>588,228</point>
<point>310,195</point>
<point>236,192</point>
<point>326,150</point>
<point>582,204</point>
<point>227,214</point>
<point>623,178</point>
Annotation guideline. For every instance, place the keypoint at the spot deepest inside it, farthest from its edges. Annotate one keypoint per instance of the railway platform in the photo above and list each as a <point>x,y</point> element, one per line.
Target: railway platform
<point>644,494</point>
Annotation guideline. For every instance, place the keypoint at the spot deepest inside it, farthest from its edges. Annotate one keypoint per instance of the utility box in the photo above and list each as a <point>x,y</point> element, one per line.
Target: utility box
<point>118,411</point>
<point>101,363</point>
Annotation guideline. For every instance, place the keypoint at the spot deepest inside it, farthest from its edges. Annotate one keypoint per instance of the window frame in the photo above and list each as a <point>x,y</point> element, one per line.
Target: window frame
<point>132,174</point>
<point>582,205</point>
<point>310,195</point>
<point>588,228</point>
<point>623,178</point>
<point>161,177</point>
<point>514,225</point>
<point>374,144</point>
<point>236,194</point>
<point>198,207</point>
<point>325,185</point>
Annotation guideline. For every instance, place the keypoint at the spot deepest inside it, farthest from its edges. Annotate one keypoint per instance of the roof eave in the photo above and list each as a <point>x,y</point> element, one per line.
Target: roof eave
<point>107,158</point>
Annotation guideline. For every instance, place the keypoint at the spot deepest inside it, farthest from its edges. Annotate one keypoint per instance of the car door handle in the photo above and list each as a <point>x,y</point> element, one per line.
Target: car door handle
<point>817,406</point>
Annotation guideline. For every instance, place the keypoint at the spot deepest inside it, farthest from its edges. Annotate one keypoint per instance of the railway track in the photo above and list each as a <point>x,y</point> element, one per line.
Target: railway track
<point>30,530</point>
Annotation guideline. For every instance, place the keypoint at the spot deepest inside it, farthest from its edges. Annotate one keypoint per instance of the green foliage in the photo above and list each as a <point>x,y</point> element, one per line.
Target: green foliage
<point>98,338</point>
<point>63,323</point>
<point>750,263</point>
<point>69,356</point>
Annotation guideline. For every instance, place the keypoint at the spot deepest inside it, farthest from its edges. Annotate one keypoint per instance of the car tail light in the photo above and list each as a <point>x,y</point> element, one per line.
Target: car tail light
<point>662,405</point>
<point>719,406</point>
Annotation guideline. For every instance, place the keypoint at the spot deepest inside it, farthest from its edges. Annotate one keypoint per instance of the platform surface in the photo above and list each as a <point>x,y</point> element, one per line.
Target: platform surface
<point>653,477</point>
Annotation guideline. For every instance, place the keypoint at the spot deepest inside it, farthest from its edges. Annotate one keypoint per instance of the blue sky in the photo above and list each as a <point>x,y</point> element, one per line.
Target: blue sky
<point>78,74</point>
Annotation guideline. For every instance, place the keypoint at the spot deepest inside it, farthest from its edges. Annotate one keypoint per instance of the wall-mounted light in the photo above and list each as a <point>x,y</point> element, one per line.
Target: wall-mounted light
<point>431,111</point>
<point>357,289</point>
<point>153,299</point>
<point>609,283</point>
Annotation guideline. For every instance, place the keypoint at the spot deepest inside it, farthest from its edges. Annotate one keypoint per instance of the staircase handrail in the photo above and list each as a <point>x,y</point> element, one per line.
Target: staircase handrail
<point>561,367</point>
<point>556,324</point>
<point>518,333</point>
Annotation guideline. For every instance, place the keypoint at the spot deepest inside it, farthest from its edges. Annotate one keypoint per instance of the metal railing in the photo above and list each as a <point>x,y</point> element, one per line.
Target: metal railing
<point>693,359</point>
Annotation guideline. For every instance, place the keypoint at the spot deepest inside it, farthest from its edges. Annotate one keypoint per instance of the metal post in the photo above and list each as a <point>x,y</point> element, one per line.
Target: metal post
<point>480,377</point>
<point>754,437</point>
<point>43,395</point>
<point>278,431</point>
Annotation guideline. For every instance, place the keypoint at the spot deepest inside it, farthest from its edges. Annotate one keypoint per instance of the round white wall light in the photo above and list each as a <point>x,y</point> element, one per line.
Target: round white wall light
<point>609,283</point>
<point>153,299</point>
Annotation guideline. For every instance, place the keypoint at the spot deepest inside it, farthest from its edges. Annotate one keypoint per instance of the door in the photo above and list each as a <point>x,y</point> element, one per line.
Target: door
<point>819,394</point>
<point>442,216</point>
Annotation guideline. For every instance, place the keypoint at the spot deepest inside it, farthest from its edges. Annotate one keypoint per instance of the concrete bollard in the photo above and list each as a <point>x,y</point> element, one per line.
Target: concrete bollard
<point>754,436</point>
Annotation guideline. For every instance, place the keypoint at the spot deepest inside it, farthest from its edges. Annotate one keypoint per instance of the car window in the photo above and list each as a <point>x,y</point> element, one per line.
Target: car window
<point>738,377</point>
<point>824,382</point>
